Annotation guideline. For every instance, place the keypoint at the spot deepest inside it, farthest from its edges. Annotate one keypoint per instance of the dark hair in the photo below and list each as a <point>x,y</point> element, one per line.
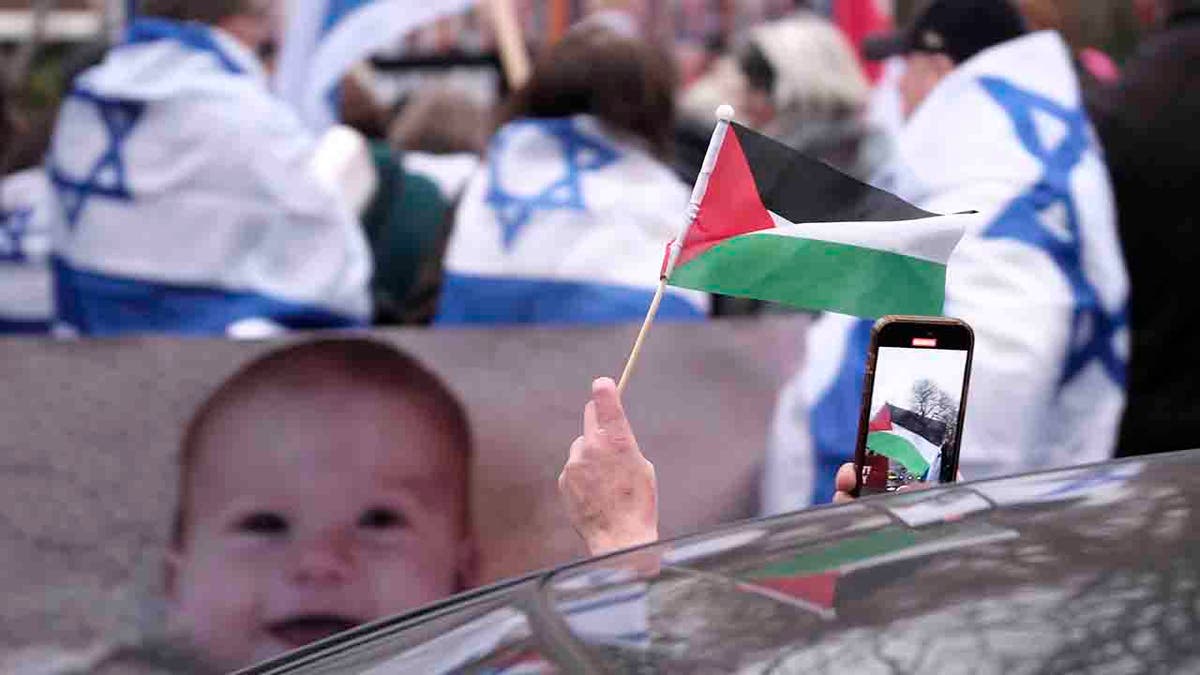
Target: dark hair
<point>756,68</point>
<point>1177,8</point>
<point>361,111</point>
<point>204,11</point>
<point>626,83</point>
<point>8,133</point>
<point>441,120</point>
<point>361,360</point>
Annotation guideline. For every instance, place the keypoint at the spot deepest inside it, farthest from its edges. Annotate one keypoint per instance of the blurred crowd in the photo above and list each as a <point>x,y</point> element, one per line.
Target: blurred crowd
<point>174,193</point>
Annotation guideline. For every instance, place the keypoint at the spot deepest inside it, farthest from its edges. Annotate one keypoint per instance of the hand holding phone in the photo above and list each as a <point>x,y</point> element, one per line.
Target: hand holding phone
<point>914,403</point>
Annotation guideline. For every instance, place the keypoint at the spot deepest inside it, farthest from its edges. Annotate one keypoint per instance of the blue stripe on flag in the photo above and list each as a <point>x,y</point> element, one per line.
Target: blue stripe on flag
<point>23,327</point>
<point>337,10</point>
<point>100,305</point>
<point>469,300</point>
<point>833,421</point>
<point>191,35</point>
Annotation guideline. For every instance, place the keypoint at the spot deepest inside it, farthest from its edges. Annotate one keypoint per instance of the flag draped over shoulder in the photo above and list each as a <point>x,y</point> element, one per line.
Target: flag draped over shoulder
<point>325,38</point>
<point>775,225</point>
<point>565,225</point>
<point>184,199</point>
<point>1039,276</point>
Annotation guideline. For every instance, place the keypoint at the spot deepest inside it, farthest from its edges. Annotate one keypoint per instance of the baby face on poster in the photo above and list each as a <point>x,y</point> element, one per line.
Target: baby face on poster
<point>323,487</point>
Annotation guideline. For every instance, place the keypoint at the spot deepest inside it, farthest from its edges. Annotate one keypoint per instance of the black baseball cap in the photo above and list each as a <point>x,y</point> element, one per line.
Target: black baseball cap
<point>959,29</point>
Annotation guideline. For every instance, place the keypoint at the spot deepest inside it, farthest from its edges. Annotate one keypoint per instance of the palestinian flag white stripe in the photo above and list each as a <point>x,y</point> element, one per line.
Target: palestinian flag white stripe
<point>930,239</point>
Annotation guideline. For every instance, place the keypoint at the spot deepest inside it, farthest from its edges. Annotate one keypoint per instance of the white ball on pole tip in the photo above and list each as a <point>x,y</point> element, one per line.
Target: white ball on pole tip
<point>725,113</point>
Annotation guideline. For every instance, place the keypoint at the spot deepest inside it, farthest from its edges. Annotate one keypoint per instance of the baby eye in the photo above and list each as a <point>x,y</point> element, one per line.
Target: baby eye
<point>380,518</point>
<point>263,523</point>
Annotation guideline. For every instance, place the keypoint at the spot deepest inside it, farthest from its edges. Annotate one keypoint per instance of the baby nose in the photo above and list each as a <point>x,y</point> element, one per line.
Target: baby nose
<point>323,559</point>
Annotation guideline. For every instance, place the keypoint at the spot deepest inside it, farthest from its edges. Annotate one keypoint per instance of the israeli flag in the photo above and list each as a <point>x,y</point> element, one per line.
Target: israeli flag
<point>186,200</point>
<point>1042,280</point>
<point>26,297</point>
<point>565,224</point>
<point>326,38</point>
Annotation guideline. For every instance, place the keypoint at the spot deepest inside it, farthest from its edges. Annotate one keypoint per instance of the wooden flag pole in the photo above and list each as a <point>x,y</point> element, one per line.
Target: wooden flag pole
<point>510,40</point>
<point>724,117</point>
<point>641,338</point>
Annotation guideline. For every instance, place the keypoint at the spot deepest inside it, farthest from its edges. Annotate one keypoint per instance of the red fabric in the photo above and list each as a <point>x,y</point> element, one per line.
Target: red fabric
<point>859,19</point>
<point>876,474</point>
<point>1100,65</point>
<point>819,589</point>
<point>882,421</point>
<point>731,205</point>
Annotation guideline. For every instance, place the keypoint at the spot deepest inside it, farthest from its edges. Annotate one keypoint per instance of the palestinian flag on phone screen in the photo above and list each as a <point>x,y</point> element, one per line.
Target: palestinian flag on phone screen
<point>906,438</point>
<point>775,225</point>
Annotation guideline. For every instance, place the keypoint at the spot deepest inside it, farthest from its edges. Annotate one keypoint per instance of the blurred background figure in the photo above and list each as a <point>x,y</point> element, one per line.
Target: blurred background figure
<point>26,289</point>
<point>443,132</point>
<point>568,220</point>
<point>1148,127</point>
<point>995,124</point>
<point>804,87</point>
<point>406,222</point>
<point>189,197</point>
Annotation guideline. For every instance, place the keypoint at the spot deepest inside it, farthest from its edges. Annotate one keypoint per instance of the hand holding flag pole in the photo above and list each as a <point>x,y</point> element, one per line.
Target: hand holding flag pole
<point>725,115</point>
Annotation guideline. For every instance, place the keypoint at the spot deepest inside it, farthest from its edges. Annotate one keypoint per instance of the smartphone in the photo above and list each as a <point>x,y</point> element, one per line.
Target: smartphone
<point>914,403</point>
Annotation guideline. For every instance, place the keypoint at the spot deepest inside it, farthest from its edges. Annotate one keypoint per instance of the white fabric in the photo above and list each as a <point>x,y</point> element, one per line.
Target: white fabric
<point>224,193</point>
<point>615,235</point>
<point>26,293</point>
<point>451,173</point>
<point>929,239</point>
<point>316,54</point>
<point>960,151</point>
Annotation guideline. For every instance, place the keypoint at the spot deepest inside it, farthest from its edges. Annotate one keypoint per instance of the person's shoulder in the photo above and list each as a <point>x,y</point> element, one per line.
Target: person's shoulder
<point>252,108</point>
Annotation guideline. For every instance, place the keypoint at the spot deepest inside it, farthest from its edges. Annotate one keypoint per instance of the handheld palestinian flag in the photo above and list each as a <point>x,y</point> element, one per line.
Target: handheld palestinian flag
<point>906,438</point>
<point>772,224</point>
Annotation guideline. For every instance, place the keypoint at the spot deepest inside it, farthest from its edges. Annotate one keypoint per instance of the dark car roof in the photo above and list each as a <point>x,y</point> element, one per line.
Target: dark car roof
<point>1089,568</point>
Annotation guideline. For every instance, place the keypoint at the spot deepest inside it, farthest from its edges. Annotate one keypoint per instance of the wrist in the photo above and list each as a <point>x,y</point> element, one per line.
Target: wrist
<point>605,543</point>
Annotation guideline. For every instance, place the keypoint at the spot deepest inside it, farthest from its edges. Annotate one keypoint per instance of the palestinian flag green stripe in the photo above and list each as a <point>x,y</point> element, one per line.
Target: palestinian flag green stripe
<point>898,449</point>
<point>840,554</point>
<point>812,273</point>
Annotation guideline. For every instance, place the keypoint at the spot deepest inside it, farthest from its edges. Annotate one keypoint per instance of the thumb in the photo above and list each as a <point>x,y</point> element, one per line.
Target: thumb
<point>610,414</point>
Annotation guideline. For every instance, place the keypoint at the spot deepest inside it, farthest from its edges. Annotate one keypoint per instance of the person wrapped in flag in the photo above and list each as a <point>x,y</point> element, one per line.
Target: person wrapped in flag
<point>566,222</point>
<point>185,196</point>
<point>995,124</point>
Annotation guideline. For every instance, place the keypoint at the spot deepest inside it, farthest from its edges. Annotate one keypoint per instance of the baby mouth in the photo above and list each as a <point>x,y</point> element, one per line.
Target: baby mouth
<point>302,630</point>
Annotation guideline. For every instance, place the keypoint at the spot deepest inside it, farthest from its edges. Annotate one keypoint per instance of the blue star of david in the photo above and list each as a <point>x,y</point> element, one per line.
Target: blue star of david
<point>14,227</point>
<point>580,153</point>
<point>107,176</point>
<point>1093,328</point>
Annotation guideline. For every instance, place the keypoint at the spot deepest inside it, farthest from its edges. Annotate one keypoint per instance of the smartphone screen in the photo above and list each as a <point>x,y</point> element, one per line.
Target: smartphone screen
<point>917,390</point>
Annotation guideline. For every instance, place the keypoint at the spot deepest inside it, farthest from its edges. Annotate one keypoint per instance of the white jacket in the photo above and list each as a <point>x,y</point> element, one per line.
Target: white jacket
<point>1042,281</point>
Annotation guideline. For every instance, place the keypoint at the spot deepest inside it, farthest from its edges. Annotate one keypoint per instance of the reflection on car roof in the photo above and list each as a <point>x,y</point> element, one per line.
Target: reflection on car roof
<point>1055,572</point>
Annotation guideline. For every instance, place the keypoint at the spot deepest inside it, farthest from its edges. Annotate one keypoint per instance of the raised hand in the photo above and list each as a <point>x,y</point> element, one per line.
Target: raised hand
<point>609,487</point>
